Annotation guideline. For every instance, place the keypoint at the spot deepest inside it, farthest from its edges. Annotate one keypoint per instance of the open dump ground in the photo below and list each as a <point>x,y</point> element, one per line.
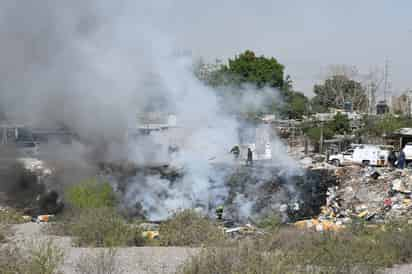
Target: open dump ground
<point>248,193</point>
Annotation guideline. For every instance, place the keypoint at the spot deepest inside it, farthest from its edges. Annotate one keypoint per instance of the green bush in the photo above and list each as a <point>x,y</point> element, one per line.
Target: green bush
<point>91,194</point>
<point>103,227</point>
<point>188,228</point>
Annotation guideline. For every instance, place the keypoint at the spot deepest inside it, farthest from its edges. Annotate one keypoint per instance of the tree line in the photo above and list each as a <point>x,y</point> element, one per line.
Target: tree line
<point>262,72</point>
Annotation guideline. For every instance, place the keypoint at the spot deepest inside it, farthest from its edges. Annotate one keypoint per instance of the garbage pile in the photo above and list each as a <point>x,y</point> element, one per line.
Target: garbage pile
<point>371,194</point>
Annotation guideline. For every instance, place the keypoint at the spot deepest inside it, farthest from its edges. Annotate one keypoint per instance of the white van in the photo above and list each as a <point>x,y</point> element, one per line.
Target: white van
<point>361,154</point>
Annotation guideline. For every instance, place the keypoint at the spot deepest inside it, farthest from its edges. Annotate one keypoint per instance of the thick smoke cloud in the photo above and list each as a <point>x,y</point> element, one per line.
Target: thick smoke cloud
<point>92,66</point>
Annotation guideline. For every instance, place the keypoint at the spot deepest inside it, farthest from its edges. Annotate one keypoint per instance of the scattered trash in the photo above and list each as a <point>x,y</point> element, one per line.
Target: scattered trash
<point>319,225</point>
<point>243,231</point>
<point>375,175</point>
<point>42,218</point>
<point>151,234</point>
<point>371,194</point>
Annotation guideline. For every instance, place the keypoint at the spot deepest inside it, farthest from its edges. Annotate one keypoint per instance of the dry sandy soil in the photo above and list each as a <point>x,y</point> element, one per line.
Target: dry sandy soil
<point>157,260</point>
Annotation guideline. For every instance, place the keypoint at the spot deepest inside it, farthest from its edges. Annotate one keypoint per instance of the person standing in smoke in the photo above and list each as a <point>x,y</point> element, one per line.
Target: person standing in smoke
<point>392,158</point>
<point>219,212</point>
<point>401,160</point>
<point>249,161</point>
<point>235,151</point>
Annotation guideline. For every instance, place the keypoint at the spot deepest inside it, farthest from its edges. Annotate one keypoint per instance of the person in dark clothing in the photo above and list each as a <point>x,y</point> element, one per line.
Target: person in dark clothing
<point>392,158</point>
<point>219,212</point>
<point>249,160</point>
<point>401,160</point>
<point>235,151</point>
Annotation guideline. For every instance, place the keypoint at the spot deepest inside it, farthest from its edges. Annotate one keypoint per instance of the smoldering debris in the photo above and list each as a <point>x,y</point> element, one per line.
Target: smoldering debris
<point>26,185</point>
<point>248,193</point>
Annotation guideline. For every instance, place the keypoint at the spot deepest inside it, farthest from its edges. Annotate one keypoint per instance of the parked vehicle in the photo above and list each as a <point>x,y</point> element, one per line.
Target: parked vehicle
<point>407,149</point>
<point>361,154</point>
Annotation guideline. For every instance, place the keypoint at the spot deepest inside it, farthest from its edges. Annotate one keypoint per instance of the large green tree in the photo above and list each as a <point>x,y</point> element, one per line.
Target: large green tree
<point>337,90</point>
<point>260,71</point>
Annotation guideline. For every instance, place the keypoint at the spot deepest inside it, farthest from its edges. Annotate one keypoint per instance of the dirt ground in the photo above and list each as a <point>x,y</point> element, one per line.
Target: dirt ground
<point>142,260</point>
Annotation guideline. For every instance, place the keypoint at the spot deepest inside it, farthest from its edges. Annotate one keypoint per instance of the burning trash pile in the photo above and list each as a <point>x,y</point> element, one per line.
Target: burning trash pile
<point>28,188</point>
<point>369,194</point>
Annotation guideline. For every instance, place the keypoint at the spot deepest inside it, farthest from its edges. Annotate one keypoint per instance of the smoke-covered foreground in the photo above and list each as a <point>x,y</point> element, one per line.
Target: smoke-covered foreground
<point>248,193</point>
<point>93,67</point>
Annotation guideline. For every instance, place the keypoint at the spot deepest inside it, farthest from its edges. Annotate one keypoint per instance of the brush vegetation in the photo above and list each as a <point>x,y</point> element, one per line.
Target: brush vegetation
<point>189,228</point>
<point>35,258</point>
<point>93,220</point>
<point>287,250</point>
<point>98,227</point>
<point>91,193</point>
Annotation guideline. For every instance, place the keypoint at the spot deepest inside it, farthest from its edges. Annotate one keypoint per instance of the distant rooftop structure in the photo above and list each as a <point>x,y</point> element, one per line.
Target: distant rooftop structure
<point>156,121</point>
<point>328,116</point>
<point>382,108</point>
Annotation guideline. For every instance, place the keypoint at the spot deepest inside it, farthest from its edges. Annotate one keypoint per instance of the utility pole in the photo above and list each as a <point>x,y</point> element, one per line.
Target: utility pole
<point>321,138</point>
<point>386,88</point>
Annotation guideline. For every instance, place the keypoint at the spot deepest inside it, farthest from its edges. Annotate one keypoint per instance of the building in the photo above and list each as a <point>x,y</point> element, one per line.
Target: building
<point>401,104</point>
<point>19,137</point>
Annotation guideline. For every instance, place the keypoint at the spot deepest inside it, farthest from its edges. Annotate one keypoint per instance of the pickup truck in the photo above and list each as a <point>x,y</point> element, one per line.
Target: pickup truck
<point>361,154</point>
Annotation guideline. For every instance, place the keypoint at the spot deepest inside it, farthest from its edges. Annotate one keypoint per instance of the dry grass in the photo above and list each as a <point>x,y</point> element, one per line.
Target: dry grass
<point>35,258</point>
<point>10,216</point>
<point>98,227</point>
<point>289,250</point>
<point>103,262</point>
<point>188,228</point>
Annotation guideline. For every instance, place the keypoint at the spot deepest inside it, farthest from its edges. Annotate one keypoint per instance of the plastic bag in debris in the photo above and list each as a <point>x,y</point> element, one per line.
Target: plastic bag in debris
<point>42,218</point>
<point>319,225</point>
<point>399,186</point>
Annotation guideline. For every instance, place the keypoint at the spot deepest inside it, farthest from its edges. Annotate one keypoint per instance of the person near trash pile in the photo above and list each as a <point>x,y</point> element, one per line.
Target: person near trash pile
<point>401,160</point>
<point>219,212</point>
<point>235,151</point>
<point>249,160</point>
<point>392,158</point>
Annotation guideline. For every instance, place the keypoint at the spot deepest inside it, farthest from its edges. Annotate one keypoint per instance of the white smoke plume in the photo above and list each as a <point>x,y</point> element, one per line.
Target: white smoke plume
<point>92,66</point>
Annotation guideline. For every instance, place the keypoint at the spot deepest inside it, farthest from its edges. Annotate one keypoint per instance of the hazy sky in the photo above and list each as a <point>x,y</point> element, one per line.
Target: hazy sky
<point>306,36</point>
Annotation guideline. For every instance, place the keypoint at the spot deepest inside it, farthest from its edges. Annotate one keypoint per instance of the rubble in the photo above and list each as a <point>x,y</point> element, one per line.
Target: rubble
<point>371,194</point>
<point>36,166</point>
<point>319,225</point>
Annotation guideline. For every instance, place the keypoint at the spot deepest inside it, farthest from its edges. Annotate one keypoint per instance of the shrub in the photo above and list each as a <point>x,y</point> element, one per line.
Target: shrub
<point>103,227</point>
<point>91,194</point>
<point>10,216</point>
<point>44,258</point>
<point>37,258</point>
<point>287,250</point>
<point>188,228</point>
<point>103,262</point>
<point>270,222</point>
<point>242,258</point>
